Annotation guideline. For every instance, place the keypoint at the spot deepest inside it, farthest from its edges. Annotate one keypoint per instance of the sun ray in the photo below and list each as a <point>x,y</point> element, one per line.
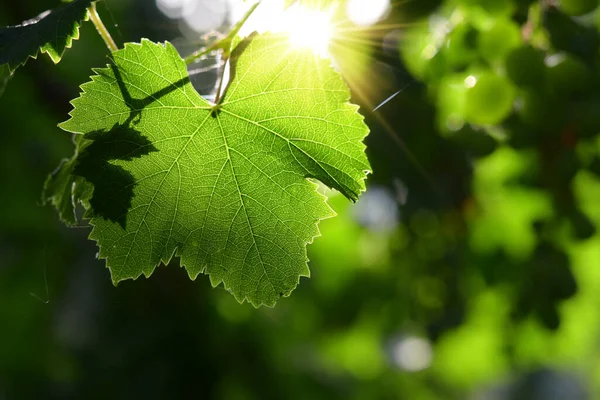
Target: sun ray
<point>306,27</point>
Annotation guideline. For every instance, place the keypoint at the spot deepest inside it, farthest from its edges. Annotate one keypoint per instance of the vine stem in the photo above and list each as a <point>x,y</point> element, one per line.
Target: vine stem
<point>217,100</point>
<point>102,31</point>
<point>225,43</point>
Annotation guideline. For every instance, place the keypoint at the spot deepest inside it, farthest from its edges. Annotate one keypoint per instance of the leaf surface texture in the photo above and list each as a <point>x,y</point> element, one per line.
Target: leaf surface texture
<point>225,190</point>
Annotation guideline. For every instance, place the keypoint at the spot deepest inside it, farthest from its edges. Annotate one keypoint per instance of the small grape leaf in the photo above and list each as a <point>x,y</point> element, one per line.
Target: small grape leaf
<point>223,188</point>
<point>63,188</point>
<point>50,32</point>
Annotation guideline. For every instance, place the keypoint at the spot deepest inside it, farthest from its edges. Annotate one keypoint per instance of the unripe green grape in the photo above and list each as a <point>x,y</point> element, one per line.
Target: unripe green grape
<point>548,314</point>
<point>451,98</point>
<point>542,111</point>
<point>521,14</point>
<point>420,54</point>
<point>525,67</point>
<point>492,7</point>
<point>477,142</point>
<point>570,35</point>
<point>577,7</point>
<point>489,100</point>
<point>567,165</point>
<point>586,117</point>
<point>583,227</point>
<point>436,68</point>
<point>496,42</point>
<point>460,47</point>
<point>567,74</point>
<point>594,166</point>
<point>520,135</point>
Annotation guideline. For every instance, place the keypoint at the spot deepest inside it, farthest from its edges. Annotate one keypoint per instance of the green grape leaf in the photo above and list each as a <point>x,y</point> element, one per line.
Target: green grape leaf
<point>50,32</point>
<point>227,189</point>
<point>63,188</point>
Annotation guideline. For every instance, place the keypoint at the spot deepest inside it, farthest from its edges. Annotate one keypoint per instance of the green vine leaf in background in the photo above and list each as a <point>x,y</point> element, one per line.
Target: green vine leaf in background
<point>51,32</point>
<point>224,187</point>
<point>63,189</point>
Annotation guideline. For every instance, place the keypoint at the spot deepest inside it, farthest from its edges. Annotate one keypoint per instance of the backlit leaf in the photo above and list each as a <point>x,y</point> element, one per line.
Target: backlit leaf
<point>225,189</point>
<point>50,32</point>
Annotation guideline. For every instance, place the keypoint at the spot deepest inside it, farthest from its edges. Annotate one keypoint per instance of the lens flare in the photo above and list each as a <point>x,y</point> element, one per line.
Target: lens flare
<point>306,27</point>
<point>310,29</point>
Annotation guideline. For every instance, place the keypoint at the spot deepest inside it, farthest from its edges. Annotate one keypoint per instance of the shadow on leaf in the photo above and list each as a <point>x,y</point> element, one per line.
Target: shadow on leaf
<point>136,106</point>
<point>233,62</point>
<point>113,185</point>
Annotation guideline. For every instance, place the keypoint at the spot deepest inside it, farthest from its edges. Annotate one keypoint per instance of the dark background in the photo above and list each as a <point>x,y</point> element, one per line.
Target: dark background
<point>469,270</point>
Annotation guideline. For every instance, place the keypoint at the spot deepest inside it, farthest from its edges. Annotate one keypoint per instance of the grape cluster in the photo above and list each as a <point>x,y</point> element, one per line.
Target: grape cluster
<point>523,75</point>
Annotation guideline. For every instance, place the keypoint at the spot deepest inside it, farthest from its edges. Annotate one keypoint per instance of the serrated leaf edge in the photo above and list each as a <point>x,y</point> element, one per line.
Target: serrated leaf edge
<point>149,271</point>
<point>39,50</point>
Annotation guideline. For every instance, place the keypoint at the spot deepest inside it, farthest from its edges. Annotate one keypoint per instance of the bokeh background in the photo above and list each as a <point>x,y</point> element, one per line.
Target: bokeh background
<point>469,270</point>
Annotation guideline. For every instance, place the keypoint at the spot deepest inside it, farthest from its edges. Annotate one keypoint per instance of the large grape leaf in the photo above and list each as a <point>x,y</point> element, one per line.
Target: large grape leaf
<point>224,188</point>
<point>50,32</point>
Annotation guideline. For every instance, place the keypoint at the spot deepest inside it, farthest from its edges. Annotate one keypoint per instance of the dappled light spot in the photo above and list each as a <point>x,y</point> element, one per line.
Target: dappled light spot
<point>412,353</point>
<point>377,210</point>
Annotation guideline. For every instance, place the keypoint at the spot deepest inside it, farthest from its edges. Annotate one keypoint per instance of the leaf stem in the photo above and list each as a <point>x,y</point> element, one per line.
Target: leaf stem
<point>217,100</point>
<point>102,31</point>
<point>225,43</point>
<point>241,22</point>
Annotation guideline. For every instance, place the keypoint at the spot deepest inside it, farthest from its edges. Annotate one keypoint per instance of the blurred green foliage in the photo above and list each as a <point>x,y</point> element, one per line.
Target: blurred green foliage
<point>469,270</point>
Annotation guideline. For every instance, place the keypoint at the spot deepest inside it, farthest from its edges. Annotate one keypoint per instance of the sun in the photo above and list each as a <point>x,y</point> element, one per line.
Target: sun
<point>307,27</point>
